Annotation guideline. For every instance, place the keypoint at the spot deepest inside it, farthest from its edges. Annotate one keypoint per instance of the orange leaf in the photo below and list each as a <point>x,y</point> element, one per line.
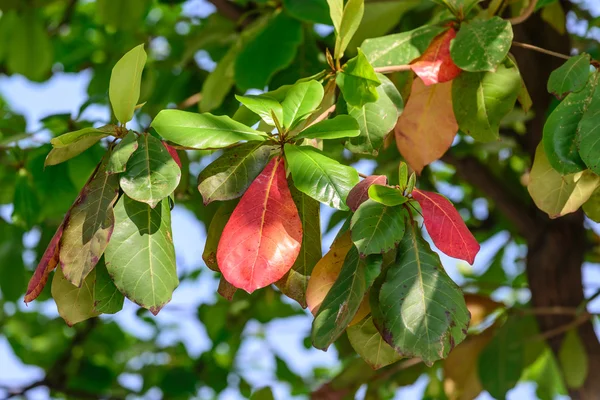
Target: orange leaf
<point>436,65</point>
<point>47,264</point>
<point>427,126</point>
<point>262,238</point>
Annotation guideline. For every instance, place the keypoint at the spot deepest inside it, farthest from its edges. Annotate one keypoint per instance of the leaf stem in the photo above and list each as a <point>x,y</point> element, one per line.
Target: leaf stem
<point>525,15</point>
<point>540,50</point>
<point>392,69</point>
<point>362,175</point>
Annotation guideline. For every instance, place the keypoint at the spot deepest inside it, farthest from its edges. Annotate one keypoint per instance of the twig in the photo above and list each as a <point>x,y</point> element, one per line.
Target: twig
<point>581,308</point>
<point>190,101</point>
<point>540,50</point>
<point>525,15</point>
<point>392,68</point>
<point>580,320</point>
<point>362,175</point>
<point>558,310</point>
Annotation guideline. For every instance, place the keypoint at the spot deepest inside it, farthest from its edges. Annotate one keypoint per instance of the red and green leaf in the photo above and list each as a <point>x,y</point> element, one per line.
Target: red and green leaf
<point>436,65</point>
<point>262,238</point>
<point>360,192</point>
<point>446,227</point>
<point>47,264</point>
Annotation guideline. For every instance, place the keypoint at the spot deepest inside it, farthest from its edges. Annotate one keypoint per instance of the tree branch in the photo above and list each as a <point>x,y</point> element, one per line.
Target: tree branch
<point>540,50</point>
<point>392,68</point>
<point>525,15</point>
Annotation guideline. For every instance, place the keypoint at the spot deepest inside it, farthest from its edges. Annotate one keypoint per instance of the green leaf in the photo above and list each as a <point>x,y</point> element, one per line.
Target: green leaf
<point>573,360</point>
<point>556,194</point>
<point>295,282</point>
<point>264,393</point>
<point>72,144</point>
<point>482,99</point>
<point>344,298</point>
<point>402,175</point>
<point>400,48</point>
<point>377,228</point>
<point>501,363</point>
<point>300,100</point>
<point>264,106</point>
<point>202,131</point>
<point>341,126</point>
<point>572,76</point>
<point>592,206</point>
<point>75,304</point>
<point>29,50</point>
<point>140,256</point>
<point>117,162</point>
<point>107,298</point>
<point>219,82</point>
<point>368,343</point>
<point>215,229</point>
<point>125,81</point>
<point>336,12</point>
<point>416,307</point>
<point>230,175</point>
<point>358,81</point>
<point>257,62</point>
<point>88,226</point>
<point>319,176</point>
<point>375,121</point>
<point>26,211</point>
<point>481,45</point>
<point>587,134</point>
<point>561,130</point>
<point>308,10</point>
<point>386,195</point>
<point>347,25</point>
<point>151,173</point>
<point>460,8</point>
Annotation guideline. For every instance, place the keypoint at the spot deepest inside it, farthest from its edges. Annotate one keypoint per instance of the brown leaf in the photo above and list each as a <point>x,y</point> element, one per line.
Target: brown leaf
<point>427,126</point>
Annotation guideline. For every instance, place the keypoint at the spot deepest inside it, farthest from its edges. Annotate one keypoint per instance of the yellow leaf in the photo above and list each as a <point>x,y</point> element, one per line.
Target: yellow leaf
<point>427,126</point>
<point>555,194</point>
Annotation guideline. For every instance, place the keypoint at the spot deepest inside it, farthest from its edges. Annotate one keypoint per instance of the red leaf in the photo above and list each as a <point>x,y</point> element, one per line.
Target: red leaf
<point>446,227</point>
<point>263,236</point>
<point>173,153</point>
<point>436,65</point>
<point>47,264</point>
<point>360,193</point>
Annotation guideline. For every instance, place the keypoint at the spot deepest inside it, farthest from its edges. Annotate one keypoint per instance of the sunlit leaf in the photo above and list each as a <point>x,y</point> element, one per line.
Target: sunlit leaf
<point>339,127</point>
<point>377,228</point>
<point>358,81</point>
<point>266,107</point>
<point>386,195</point>
<point>75,304</point>
<point>436,65</point>
<point>360,193</point>
<point>117,162</point>
<point>125,82</point>
<point>572,76</point>
<point>301,99</point>
<point>345,24</point>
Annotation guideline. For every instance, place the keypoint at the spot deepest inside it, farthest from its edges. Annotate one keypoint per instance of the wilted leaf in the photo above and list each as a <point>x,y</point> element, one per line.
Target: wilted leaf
<point>151,173</point>
<point>140,256</point>
<point>446,227</point>
<point>333,180</point>
<point>125,81</point>
<point>555,194</point>
<point>436,65</point>
<point>427,127</point>
<point>360,193</point>
<point>572,76</point>
<point>47,263</point>
<point>377,228</point>
<point>75,304</point>
<point>261,243</point>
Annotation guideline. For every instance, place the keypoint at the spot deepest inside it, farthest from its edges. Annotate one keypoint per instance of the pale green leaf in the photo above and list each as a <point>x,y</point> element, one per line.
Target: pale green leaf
<point>122,152</point>
<point>300,100</point>
<point>125,82</point>
<point>75,304</point>
<point>72,144</point>
<point>348,25</point>
<point>386,195</point>
<point>264,106</point>
<point>368,343</point>
<point>573,360</point>
<point>341,126</point>
<point>358,81</point>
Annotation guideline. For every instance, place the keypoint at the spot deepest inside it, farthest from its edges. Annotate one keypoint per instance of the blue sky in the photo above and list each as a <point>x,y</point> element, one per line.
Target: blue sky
<point>65,93</point>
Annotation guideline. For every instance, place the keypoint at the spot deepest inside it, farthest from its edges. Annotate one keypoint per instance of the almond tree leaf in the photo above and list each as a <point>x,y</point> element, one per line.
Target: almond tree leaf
<point>572,76</point>
<point>47,263</point>
<point>341,126</point>
<point>263,236</point>
<point>368,343</point>
<point>215,230</point>
<point>308,10</point>
<point>360,193</point>
<point>358,81</point>
<point>556,194</point>
<point>326,272</point>
<point>107,298</point>
<point>592,206</point>
<point>345,297</point>
<point>122,152</point>
<point>446,227</point>
<point>202,131</point>
<point>375,119</point>
<point>72,144</point>
<point>219,82</point>
<point>573,360</point>
<point>319,176</point>
<point>229,176</point>
<point>416,307</point>
<point>75,304</point>
<point>151,173</point>
<point>348,25</point>
<point>587,134</point>
<point>400,48</point>
<point>173,152</point>
<point>435,65</point>
<point>377,228</point>
<point>294,284</point>
<point>427,127</point>
<point>562,128</point>
<point>301,99</point>
<point>125,81</point>
<point>387,195</point>
<point>140,256</point>
<point>482,99</point>
<point>70,138</point>
<point>263,105</point>
<point>481,45</point>
<point>89,226</point>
